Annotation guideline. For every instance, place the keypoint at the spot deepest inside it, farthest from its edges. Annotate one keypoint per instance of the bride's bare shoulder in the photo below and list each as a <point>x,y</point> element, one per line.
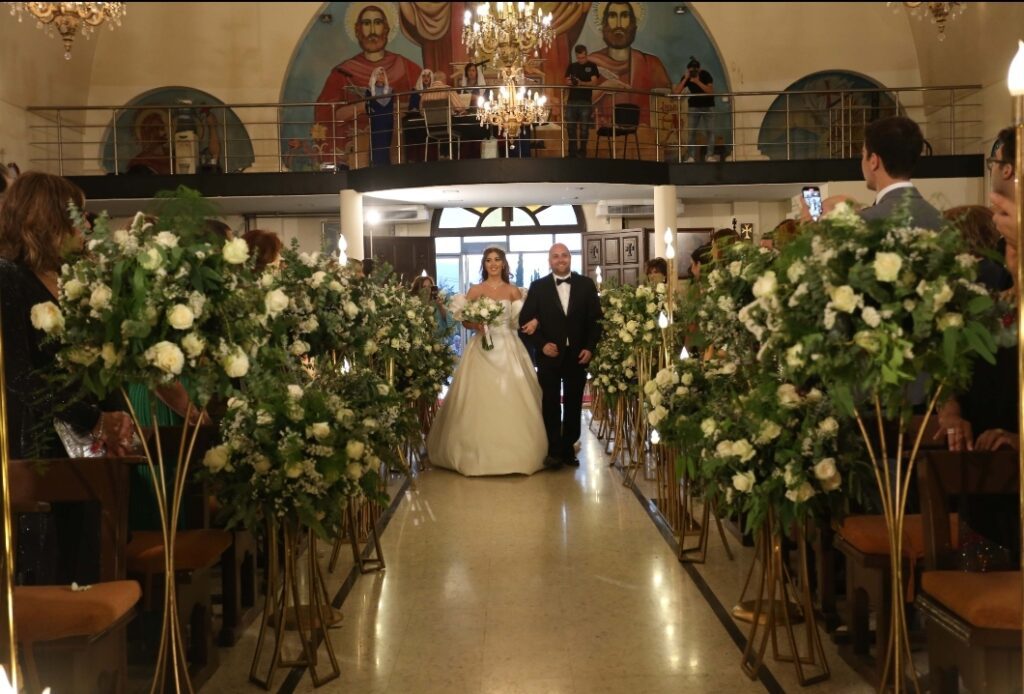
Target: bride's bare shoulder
<point>475,290</point>
<point>515,293</point>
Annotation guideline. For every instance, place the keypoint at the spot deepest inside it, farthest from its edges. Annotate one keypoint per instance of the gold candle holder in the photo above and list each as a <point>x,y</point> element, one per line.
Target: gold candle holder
<point>8,638</point>
<point>1015,82</point>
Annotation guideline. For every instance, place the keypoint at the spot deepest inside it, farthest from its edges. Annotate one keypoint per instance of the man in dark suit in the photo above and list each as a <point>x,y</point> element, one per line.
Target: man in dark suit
<point>891,149</point>
<point>568,310</point>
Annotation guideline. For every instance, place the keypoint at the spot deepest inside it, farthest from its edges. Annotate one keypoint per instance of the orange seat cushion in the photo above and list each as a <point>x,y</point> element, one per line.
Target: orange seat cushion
<point>49,613</point>
<point>985,600</point>
<point>868,534</point>
<point>193,550</point>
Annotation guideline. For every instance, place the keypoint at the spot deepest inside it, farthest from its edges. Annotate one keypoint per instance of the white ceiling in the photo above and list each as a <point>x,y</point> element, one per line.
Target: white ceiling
<point>479,195</point>
<point>511,194</point>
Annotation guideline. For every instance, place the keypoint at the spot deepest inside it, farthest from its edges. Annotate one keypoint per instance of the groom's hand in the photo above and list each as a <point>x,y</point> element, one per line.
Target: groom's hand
<point>585,356</point>
<point>550,350</point>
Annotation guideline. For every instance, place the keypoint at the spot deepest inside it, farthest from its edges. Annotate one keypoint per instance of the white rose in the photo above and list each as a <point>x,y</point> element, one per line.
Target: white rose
<point>794,360</point>
<point>166,356</point>
<point>871,316</point>
<point>828,426</point>
<point>197,302</point>
<point>765,285</point>
<point>788,396</point>
<point>951,320</point>
<point>832,483</point>
<point>686,379</point>
<point>744,482</point>
<point>111,357</point>
<point>354,471</point>
<point>735,268</point>
<point>317,279</point>
<point>942,296</point>
<point>100,298</point>
<point>236,251</point>
<point>743,450</point>
<point>650,387</point>
<point>795,271</point>
<point>826,469</point>
<point>73,289</point>
<point>723,449</point>
<point>709,427</point>
<point>293,471</point>
<point>83,355</point>
<point>48,318</point>
<point>180,317</point>
<point>769,431</point>
<point>261,464</point>
<point>122,237</point>
<point>321,430</point>
<point>654,398</point>
<point>275,301</point>
<point>355,449</point>
<point>887,266</point>
<point>335,286</point>
<point>294,392</point>
<point>299,348</point>
<point>844,298</point>
<point>383,389</point>
<point>167,239</point>
<point>217,457</point>
<point>867,340</point>
<point>309,259</point>
<point>150,259</point>
<point>193,345</point>
<point>655,416</point>
<point>801,494</point>
<point>370,347</point>
<point>814,395</point>
<point>235,363</point>
<point>344,414</point>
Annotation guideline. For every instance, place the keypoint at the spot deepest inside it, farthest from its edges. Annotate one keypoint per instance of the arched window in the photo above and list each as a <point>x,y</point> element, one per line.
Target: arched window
<point>525,233</point>
<point>823,116</point>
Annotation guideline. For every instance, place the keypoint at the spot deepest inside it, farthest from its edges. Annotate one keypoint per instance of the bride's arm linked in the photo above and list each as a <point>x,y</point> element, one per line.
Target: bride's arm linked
<point>530,326</point>
<point>529,315</point>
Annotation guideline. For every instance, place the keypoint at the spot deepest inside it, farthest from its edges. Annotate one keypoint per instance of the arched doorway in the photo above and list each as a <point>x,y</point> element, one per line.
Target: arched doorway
<point>525,233</point>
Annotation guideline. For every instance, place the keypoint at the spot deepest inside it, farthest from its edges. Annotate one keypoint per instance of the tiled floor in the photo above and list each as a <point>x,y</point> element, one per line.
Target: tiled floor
<point>554,583</point>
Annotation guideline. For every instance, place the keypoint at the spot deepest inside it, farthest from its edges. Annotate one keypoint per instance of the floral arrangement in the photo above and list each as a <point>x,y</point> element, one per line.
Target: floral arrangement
<point>866,308</point>
<point>155,303</point>
<point>315,305</point>
<point>629,329</point>
<point>483,311</point>
<point>303,450</point>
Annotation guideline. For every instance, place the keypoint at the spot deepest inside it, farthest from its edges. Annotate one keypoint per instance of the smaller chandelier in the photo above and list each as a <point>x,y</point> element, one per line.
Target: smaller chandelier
<point>70,18</point>
<point>508,33</point>
<point>513,107</point>
<point>938,12</point>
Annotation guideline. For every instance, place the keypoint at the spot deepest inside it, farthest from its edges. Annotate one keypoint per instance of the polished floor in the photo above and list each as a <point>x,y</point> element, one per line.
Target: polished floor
<point>555,583</point>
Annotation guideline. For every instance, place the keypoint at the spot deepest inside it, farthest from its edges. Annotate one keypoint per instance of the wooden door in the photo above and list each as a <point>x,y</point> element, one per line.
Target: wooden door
<point>620,254</point>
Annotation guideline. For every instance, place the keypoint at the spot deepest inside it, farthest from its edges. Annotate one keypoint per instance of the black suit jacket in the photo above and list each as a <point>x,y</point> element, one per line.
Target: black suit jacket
<point>574,332</point>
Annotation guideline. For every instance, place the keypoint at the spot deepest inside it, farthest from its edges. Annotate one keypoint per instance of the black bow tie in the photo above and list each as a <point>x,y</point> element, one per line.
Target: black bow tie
<point>561,281</point>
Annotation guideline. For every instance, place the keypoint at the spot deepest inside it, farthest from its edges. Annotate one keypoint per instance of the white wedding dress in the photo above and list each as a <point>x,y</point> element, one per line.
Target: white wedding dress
<point>491,422</point>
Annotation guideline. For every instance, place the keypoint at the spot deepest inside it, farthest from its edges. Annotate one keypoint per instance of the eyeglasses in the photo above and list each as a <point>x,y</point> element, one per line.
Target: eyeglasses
<point>992,160</point>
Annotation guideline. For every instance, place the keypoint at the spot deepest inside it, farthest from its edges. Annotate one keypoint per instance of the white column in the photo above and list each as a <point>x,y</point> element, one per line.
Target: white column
<point>664,216</point>
<point>352,222</point>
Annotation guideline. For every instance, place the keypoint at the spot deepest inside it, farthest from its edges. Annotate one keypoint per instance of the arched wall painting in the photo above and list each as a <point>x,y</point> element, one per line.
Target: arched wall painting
<point>822,121</point>
<point>335,58</point>
<point>146,127</point>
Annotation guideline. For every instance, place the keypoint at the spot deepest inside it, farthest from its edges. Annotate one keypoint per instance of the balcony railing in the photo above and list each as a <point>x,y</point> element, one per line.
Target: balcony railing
<point>742,126</point>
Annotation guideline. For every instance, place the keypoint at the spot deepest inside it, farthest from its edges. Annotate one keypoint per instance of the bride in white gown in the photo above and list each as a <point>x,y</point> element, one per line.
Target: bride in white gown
<point>490,422</point>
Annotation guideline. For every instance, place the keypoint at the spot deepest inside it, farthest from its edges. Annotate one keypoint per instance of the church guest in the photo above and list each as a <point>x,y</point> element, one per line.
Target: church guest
<point>579,109</point>
<point>381,108</point>
<point>701,110</point>
<point>265,246</point>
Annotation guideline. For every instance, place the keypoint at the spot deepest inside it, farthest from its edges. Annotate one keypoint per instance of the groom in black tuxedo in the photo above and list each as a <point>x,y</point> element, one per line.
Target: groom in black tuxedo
<point>569,312</point>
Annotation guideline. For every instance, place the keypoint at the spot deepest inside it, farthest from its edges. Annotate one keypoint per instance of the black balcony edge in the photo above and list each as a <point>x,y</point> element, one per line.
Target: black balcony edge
<point>497,171</point>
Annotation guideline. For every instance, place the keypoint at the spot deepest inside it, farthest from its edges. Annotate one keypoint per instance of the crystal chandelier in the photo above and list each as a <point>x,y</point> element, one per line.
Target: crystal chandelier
<point>513,107</point>
<point>70,18</point>
<point>507,33</point>
<point>938,12</point>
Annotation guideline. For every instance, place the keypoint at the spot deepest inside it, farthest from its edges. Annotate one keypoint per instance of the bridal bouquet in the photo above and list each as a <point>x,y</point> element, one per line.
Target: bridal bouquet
<point>483,311</point>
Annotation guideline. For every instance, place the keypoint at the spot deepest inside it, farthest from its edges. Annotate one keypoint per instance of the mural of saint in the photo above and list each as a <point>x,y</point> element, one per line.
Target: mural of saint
<point>371,25</point>
<point>623,66</point>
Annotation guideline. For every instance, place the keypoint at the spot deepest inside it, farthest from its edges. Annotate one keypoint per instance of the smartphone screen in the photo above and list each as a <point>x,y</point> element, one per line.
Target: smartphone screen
<point>812,196</point>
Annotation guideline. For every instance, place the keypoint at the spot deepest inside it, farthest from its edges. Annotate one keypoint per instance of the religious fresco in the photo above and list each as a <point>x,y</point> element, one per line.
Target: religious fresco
<point>180,121</point>
<point>822,120</point>
<point>636,45</point>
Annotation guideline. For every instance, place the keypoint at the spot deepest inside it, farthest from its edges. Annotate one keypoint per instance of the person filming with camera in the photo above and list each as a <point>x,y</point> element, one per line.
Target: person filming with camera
<point>579,108</point>
<point>701,108</point>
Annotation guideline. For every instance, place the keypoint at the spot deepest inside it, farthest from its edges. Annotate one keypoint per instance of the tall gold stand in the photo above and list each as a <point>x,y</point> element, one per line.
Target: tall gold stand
<point>172,660</point>
<point>1018,188</point>
<point>893,485</point>
<point>355,530</point>
<point>8,637</point>
<point>297,599</point>
<point>772,611</point>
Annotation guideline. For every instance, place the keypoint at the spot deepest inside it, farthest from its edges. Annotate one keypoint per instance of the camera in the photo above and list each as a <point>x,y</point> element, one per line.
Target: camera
<point>434,292</point>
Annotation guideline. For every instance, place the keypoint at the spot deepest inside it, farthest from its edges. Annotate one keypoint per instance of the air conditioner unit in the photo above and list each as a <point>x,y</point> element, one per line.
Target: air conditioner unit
<point>403,214</point>
<point>630,208</point>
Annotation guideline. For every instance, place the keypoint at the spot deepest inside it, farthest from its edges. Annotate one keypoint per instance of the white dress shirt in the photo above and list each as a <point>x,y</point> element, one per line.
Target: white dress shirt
<point>891,187</point>
<point>563,290</point>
